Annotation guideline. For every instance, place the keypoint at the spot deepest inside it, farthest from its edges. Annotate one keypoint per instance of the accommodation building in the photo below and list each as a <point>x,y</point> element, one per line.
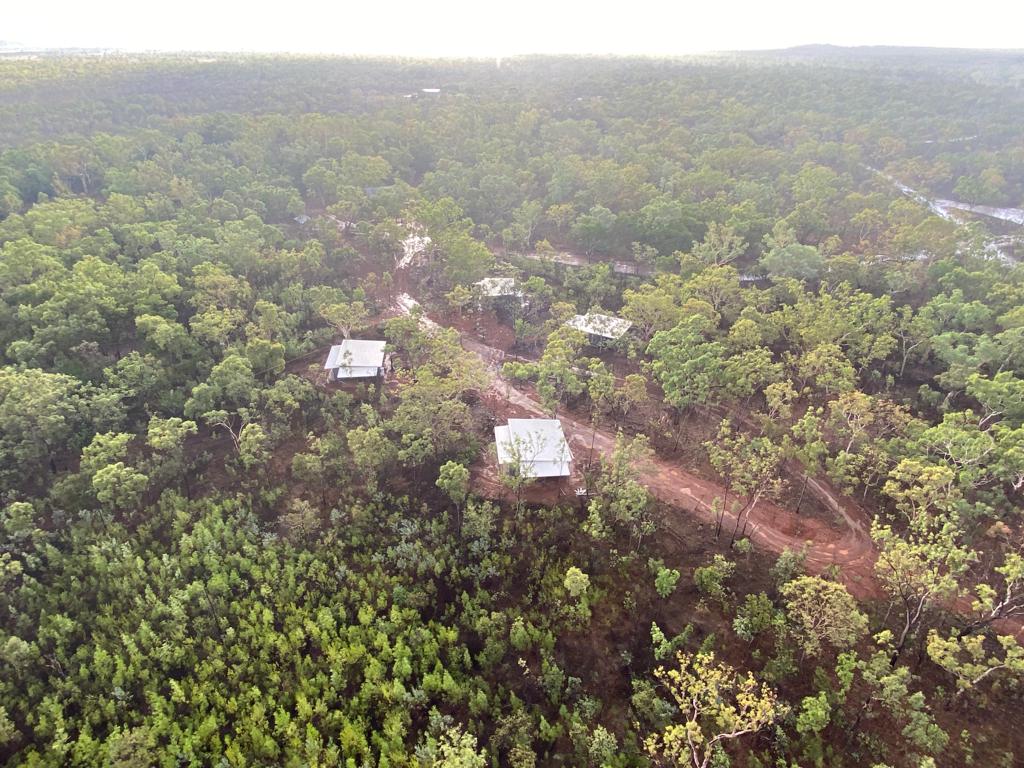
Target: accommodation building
<point>356,359</point>
<point>533,448</point>
<point>497,287</point>
<point>500,293</point>
<point>600,328</point>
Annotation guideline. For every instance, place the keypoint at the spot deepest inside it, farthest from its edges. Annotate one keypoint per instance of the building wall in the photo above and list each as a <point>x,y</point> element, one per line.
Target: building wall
<point>551,469</point>
<point>355,373</point>
<point>546,469</point>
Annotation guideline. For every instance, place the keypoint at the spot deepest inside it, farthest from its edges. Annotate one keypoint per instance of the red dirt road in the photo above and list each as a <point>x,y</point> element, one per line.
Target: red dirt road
<point>850,549</point>
<point>768,525</point>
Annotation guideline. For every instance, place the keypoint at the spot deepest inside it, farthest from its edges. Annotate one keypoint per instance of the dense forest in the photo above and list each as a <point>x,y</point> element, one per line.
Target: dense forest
<point>792,536</point>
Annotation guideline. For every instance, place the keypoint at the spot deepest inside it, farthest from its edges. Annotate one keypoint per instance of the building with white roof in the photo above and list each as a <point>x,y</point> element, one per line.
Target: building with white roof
<point>603,326</point>
<point>494,287</point>
<point>355,359</point>
<point>533,448</point>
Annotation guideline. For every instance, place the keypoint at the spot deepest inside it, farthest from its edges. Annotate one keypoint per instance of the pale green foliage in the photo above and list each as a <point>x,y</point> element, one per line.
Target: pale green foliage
<point>718,704</point>
<point>665,647</point>
<point>105,449</point>
<point>690,369</point>
<point>749,465</point>
<point>118,486</point>
<point>478,519</point>
<point>779,397</point>
<point>518,635</point>
<point>827,368</point>
<point>890,688</point>
<point>814,716</point>
<point>1001,396</point>
<point>790,563</point>
<point>665,581</point>
<point>453,479</point>
<point>822,613</point>
<point>558,372</point>
<point>920,568</point>
<point>805,443</point>
<point>457,749</point>
<point>603,746</point>
<point>992,604</point>
<point>432,419</point>
<point>801,262</point>
<point>253,446</point>
<point>168,435</point>
<point>371,451</point>
<point>815,713</point>
<point>918,488</point>
<point>8,731</point>
<point>230,385</point>
<point>968,660</point>
<point>344,316</point>
<point>720,245</point>
<point>576,582</point>
<point>620,499</point>
<point>711,579</point>
<point>654,307</point>
<point>459,298</point>
<point>267,357</point>
<point>757,614</point>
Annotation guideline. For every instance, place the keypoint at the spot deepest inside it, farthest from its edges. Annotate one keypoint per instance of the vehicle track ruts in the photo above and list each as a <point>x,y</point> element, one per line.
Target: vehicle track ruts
<point>850,551</point>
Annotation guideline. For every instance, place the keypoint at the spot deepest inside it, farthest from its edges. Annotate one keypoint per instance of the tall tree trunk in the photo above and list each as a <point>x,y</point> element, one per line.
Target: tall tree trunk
<point>736,527</point>
<point>800,499</point>
<point>721,513</point>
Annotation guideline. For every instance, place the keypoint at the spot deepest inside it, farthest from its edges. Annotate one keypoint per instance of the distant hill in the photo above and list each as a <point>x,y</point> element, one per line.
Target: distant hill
<point>11,48</point>
<point>994,66</point>
<point>861,54</point>
<point>890,52</point>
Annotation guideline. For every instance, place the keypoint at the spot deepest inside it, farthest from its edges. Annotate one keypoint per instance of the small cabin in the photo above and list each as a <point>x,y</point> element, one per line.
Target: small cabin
<point>356,359</point>
<point>600,328</point>
<point>533,448</point>
<point>748,279</point>
<point>497,287</point>
<point>631,268</point>
<point>500,293</point>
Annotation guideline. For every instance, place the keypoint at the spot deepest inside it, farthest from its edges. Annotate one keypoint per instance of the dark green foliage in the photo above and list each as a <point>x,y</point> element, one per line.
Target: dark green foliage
<point>210,556</point>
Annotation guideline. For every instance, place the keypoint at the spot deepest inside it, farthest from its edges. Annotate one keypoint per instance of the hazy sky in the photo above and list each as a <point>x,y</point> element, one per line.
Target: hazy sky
<point>504,27</point>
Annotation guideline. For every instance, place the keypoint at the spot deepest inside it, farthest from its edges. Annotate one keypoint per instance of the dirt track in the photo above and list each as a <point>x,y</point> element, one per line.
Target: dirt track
<point>850,549</point>
<point>768,524</point>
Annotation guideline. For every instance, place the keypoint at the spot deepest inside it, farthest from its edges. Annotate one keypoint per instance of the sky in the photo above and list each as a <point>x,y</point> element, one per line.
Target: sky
<point>489,28</point>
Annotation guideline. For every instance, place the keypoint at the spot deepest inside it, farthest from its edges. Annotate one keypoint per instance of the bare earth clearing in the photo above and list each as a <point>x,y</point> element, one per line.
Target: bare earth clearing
<point>769,525</point>
<point>849,550</point>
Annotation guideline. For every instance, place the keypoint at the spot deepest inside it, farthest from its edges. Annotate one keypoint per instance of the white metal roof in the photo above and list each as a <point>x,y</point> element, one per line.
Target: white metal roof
<point>498,286</point>
<point>356,353</point>
<point>600,325</point>
<point>527,441</point>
